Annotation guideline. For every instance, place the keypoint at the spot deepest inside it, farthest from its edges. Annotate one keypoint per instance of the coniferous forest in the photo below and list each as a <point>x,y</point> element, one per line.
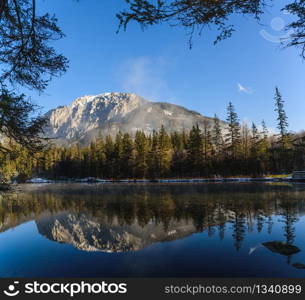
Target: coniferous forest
<point>217,150</point>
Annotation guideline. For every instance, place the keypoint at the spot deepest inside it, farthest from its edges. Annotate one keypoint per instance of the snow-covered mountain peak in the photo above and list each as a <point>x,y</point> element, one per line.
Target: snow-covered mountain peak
<point>108,98</point>
<point>82,100</point>
<point>89,116</point>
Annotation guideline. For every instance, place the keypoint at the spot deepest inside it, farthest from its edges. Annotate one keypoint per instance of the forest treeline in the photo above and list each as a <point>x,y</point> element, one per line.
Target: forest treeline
<point>233,149</point>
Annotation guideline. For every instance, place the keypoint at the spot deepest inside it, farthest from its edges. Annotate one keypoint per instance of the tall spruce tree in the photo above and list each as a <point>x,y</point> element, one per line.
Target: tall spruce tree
<point>263,150</point>
<point>282,120</point>
<point>217,136</point>
<point>233,138</point>
<point>141,154</point>
<point>163,152</point>
<point>127,159</point>
<point>195,152</point>
<point>207,140</point>
<point>101,157</point>
<point>153,162</point>
<point>245,141</point>
<point>110,157</point>
<point>254,141</point>
<point>178,142</point>
<point>254,151</point>
<point>117,152</point>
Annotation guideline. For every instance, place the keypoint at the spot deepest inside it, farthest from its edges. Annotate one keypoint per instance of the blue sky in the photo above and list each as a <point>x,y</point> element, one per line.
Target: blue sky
<point>158,64</point>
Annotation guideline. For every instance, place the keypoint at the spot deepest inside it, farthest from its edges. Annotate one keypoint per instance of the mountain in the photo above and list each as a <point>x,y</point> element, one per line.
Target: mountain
<point>87,233</point>
<point>90,116</point>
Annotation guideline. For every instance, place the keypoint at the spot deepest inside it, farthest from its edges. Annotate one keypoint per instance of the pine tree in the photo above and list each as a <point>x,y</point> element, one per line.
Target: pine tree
<point>195,152</point>
<point>153,171</point>
<point>163,152</point>
<point>101,158</point>
<point>254,141</point>
<point>282,120</point>
<point>207,149</point>
<point>93,158</point>
<point>254,151</point>
<point>207,141</point>
<point>118,152</point>
<point>178,142</point>
<point>264,129</point>
<point>217,136</point>
<point>85,162</point>
<point>110,157</point>
<point>127,157</point>
<point>233,139</point>
<point>75,158</point>
<point>263,150</point>
<point>141,145</point>
<point>245,141</point>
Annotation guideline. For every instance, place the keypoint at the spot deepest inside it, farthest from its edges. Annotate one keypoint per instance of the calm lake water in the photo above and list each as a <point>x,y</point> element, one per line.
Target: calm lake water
<point>155,230</point>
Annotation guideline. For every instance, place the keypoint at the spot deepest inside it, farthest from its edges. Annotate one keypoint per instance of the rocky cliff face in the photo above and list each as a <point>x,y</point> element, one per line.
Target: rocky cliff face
<point>89,234</point>
<point>89,116</point>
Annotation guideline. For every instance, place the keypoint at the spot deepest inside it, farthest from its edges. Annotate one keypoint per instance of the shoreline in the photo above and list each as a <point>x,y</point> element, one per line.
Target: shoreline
<point>182,180</point>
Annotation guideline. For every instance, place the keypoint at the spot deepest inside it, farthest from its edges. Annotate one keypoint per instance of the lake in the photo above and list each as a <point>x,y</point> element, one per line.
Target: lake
<point>153,230</point>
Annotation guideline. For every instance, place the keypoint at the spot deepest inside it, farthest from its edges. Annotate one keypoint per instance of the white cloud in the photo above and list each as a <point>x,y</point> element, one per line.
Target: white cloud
<point>244,89</point>
<point>145,76</point>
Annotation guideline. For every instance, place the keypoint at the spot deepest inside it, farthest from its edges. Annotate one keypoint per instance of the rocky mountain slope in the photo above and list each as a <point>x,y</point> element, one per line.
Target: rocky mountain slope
<point>90,116</point>
<point>90,234</point>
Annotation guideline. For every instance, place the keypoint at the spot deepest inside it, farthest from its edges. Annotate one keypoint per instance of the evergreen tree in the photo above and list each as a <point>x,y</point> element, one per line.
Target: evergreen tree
<point>207,148</point>
<point>195,152</point>
<point>153,163</point>
<point>163,153</point>
<point>254,150</point>
<point>141,156</point>
<point>178,142</point>
<point>110,157</point>
<point>118,153</point>
<point>254,141</point>
<point>217,136</point>
<point>101,158</point>
<point>207,141</point>
<point>282,120</point>
<point>245,141</point>
<point>127,157</point>
<point>75,158</point>
<point>233,139</point>
<point>263,150</point>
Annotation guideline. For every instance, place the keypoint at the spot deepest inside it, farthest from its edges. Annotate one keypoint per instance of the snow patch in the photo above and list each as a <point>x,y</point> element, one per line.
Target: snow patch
<point>39,180</point>
<point>91,179</point>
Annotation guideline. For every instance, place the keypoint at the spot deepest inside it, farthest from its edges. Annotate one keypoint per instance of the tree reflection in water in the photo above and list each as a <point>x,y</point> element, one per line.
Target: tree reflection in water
<point>122,217</point>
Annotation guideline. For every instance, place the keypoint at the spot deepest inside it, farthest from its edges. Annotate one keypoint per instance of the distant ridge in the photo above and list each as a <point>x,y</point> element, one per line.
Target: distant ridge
<point>90,116</point>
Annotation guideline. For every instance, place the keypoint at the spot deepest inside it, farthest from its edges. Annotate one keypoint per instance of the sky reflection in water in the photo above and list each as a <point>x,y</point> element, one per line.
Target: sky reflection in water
<point>189,230</point>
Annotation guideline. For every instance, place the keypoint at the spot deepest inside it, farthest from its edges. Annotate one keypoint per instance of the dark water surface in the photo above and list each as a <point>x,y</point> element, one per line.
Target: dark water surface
<point>188,230</point>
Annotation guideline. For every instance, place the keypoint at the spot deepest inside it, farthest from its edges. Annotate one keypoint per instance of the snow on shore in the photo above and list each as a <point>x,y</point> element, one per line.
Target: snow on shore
<point>39,180</point>
<point>186,180</point>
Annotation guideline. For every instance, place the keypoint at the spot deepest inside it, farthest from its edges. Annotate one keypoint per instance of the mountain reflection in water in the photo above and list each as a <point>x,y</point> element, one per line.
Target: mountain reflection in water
<point>131,218</point>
